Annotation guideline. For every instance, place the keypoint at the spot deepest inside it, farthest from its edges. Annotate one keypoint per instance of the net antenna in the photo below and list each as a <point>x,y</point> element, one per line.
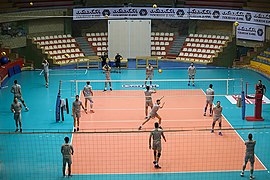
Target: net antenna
<point>58,102</point>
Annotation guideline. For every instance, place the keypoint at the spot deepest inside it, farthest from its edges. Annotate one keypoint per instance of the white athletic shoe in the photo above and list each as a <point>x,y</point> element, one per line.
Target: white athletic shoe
<point>251,177</point>
<point>242,174</point>
<point>26,109</point>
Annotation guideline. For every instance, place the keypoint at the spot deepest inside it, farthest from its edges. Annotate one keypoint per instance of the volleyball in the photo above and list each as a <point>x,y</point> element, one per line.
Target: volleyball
<point>3,53</point>
<point>106,16</point>
<point>31,3</point>
<point>154,6</point>
<point>236,23</point>
<point>160,70</point>
<point>67,55</point>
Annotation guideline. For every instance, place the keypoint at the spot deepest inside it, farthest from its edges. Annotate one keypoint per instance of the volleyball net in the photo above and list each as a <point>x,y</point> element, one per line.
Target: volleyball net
<point>189,155</point>
<point>173,87</point>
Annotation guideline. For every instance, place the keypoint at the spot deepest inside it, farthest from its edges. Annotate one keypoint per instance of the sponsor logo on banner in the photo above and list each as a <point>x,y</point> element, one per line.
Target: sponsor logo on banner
<point>172,13</point>
<point>138,86</point>
<point>250,31</point>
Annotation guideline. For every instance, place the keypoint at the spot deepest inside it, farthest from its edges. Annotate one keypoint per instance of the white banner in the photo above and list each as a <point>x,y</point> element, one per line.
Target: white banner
<point>130,13</point>
<point>172,13</point>
<point>250,32</point>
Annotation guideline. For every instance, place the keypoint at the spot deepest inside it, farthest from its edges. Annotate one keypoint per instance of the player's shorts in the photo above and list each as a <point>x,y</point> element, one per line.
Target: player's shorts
<point>148,103</point>
<point>89,98</point>
<point>149,76</point>
<point>19,97</point>
<point>209,102</point>
<point>17,117</point>
<point>77,114</point>
<point>191,76</point>
<point>249,157</point>
<point>46,74</point>
<point>67,160</point>
<point>153,115</point>
<point>219,119</point>
<point>156,146</point>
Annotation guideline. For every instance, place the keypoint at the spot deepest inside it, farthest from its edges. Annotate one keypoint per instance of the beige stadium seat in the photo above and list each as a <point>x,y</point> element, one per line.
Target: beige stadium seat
<point>106,34</point>
<point>166,34</point>
<point>153,48</point>
<point>203,50</point>
<point>60,36</point>
<point>158,53</point>
<point>170,39</point>
<point>191,35</point>
<point>42,43</point>
<point>153,33</point>
<point>47,37</point>
<point>42,38</point>
<point>167,43</point>
<point>211,46</point>
<point>64,41</point>
<point>209,56</point>
<point>68,46</point>
<point>59,51</point>
<point>98,43</point>
<point>200,35</point>
<point>210,41</point>
<point>94,44</point>
<point>104,38</point>
<point>205,41</point>
<point>72,50</point>
<point>214,41</point>
<point>156,38</point>
<point>72,45</point>
<point>59,41</point>
<point>181,54</point>
<point>162,34</point>
<point>190,55</point>
<point>200,56</point>
<point>223,42</point>
<point>50,37</point>
<point>187,39</point>
<point>166,39</point>
<point>99,49</point>
<point>208,51</point>
<point>218,37</point>
<point>227,37</point>
<point>162,48</point>
<point>99,39</point>
<point>202,45</point>
<point>59,46</point>
<point>163,53</point>
<point>152,38</point>
<point>196,35</point>
<point>46,42</point>
<point>63,51</point>
<point>198,45</point>
<point>97,34</point>
<point>51,42</point>
<point>93,34</point>
<point>206,46</point>
<point>219,42</point>
<point>89,39</point>
<point>157,34</point>
<point>104,43</point>
<point>201,40</point>
<point>195,55</point>
<point>153,53</point>
<point>157,43</point>
<point>72,55</point>
<point>87,34</point>
<point>68,41</point>
<point>185,49</point>
<point>161,38</point>
<point>68,36</point>
<point>189,50</point>
<point>54,52</point>
<point>214,36</point>
<point>38,39</point>
<point>55,46</point>
<point>104,48</point>
<point>189,44</point>
<point>171,34</point>
<point>102,34</point>
<point>186,54</point>
<point>94,39</point>
<point>77,50</point>
<point>205,36</point>
<point>205,56</point>
<point>158,48</point>
<point>81,55</point>
<point>68,50</point>
<point>152,43</point>
<point>213,52</point>
<point>99,53</point>
<point>197,40</point>
<point>73,40</point>
<point>199,50</point>
<point>194,50</point>
<point>64,36</point>
<point>216,47</point>
<point>162,43</point>
<point>209,36</point>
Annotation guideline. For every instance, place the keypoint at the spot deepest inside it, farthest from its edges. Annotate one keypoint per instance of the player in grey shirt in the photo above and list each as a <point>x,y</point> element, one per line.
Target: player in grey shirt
<point>76,112</point>
<point>67,151</point>
<point>16,108</point>
<point>45,65</point>
<point>154,113</point>
<point>209,99</point>
<point>217,117</point>
<point>107,70</point>
<point>156,134</point>
<point>16,90</point>
<point>250,145</point>
<point>148,99</point>
<point>88,94</point>
<point>191,73</point>
<point>149,73</point>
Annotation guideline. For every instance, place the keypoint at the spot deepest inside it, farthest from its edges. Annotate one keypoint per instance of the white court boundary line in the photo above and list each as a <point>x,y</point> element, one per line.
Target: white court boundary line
<point>140,120</point>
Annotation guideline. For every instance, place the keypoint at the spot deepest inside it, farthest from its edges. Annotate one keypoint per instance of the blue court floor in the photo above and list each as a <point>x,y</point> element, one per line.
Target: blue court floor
<point>24,156</point>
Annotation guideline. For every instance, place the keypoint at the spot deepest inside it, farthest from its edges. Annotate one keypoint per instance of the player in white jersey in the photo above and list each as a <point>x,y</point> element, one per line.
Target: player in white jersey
<point>217,117</point>
<point>209,99</point>
<point>250,145</point>
<point>88,94</point>
<point>16,108</point>
<point>107,70</point>
<point>76,112</point>
<point>45,65</point>
<point>67,151</point>
<point>191,73</point>
<point>148,99</point>
<point>16,90</point>
<point>154,113</point>
<point>156,134</point>
<point>149,73</point>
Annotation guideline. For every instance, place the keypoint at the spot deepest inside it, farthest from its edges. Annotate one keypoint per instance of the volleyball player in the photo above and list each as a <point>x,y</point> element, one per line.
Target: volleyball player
<point>148,99</point>
<point>250,145</point>
<point>191,73</point>
<point>45,65</point>
<point>209,99</point>
<point>76,112</point>
<point>67,151</point>
<point>88,94</point>
<point>16,108</point>
<point>156,134</point>
<point>149,73</point>
<point>154,113</point>
<point>107,70</point>
<point>16,90</point>
<point>217,117</point>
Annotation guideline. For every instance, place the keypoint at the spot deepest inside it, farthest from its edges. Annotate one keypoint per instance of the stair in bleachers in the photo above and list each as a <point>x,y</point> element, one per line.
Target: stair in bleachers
<point>98,42</point>
<point>177,45</point>
<point>85,47</point>
<point>161,43</point>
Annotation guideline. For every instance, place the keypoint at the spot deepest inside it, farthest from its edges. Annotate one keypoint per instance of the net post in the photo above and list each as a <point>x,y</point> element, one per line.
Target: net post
<point>246,89</point>
<point>76,87</point>
<point>227,89</point>
<point>243,105</point>
<point>58,102</point>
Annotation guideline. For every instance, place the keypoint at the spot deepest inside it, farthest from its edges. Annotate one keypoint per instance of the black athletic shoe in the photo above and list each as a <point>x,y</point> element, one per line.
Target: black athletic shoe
<point>105,90</point>
<point>20,130</point>
<point>188,84</point>
<point>155,162</point>
<point>110,89</point>
<point>74,129</point>
<point>157,166</point>
<point>16,130</point>
<point>78,128</point>
<point>140,128</point>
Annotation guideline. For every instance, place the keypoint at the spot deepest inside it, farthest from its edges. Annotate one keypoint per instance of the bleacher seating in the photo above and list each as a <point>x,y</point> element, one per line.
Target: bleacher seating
<point>202,47</point>
<point>262,62</point>
<point>161,43</point>
<point>57,47</point>
<point>98,41</point>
